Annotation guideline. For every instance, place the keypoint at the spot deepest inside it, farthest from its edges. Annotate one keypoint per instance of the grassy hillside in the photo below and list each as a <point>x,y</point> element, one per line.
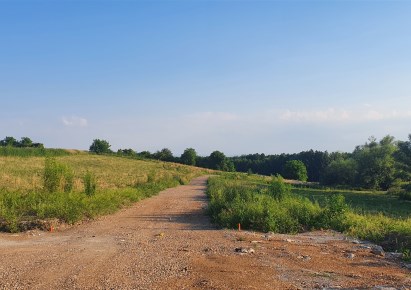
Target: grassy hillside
<point>25,203</point>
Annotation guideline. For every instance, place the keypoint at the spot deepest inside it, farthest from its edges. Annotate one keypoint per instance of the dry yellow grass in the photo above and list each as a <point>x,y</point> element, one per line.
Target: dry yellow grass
<point>19,174</point>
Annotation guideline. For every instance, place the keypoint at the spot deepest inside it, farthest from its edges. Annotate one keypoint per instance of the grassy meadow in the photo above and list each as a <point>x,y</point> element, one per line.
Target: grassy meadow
<point>275,206</point>
<point>26,201</point>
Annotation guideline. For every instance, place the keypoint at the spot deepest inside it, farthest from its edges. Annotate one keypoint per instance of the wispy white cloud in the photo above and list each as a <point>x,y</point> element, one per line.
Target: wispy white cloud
<point>213,116</point>
<point>364,114</point>
<point>74,121</point>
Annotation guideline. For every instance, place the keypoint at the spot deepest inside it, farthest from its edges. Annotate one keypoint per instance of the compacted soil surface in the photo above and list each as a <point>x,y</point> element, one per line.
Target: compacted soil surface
<point>167,242</point>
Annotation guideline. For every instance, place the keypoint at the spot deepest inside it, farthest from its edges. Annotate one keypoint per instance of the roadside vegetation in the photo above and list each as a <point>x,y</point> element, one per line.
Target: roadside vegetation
<point>269,204</point>
<point>74,187</point>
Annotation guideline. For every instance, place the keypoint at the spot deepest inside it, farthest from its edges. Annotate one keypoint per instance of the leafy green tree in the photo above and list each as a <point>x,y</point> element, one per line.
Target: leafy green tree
<point>295,169</point>
<point>164,155</point>
<point>403,159</point>
<point>189,156</point>
<point>376,164</point>
<point>217,160</point>
<point>145,154</point>
<point>9,141</point>
<point>340,172</point>
<point>126,152</point>
<point>100,146</point>
<point>26,142</point>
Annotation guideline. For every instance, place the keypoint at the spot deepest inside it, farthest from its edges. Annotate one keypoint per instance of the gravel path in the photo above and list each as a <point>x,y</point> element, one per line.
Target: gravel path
<point>167,242</point>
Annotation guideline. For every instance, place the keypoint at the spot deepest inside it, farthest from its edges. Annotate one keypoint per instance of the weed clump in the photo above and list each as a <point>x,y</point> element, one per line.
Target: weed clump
<point>278,188</point>
<point>57,176</point>
<point>90,183</point>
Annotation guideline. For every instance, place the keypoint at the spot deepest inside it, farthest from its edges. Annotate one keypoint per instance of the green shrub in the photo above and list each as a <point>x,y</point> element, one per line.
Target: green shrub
<point>278,188</point>
<point>334,213</point>
<point>90,183</point>
<point>57,176</point>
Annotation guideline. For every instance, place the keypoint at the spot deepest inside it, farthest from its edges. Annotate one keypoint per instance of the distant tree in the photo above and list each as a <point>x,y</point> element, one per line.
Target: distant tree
<point>217,160</point>
<point>340,172</point>
<point>100,146</point>
<point>295,169</point>
<point>145,154</point>
<point>26,142</point>
<point>126,152</point>
<point>403,159</point>
<point>38,145</point>
<point>164,155</point>
<point>189,156</point>
<point>376,164</point>
<point>9,141</point>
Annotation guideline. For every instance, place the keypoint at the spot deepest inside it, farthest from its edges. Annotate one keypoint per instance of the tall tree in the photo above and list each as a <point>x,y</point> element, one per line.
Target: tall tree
<point>403,158</point>
<point>217,160</point>
<point>295,169</point>
<point>189,156</point>
<point>340,172</point>
<point>376,164</point>
<point>26,142</point>
<point>9,141</point>
<point>164,154</point>
<point>100,146</point>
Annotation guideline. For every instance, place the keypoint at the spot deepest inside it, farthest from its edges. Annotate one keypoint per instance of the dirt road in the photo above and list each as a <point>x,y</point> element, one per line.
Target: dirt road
<point>166,242</point>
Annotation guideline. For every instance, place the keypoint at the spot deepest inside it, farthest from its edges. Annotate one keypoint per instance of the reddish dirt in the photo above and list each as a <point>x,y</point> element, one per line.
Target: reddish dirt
<point>167,242</point>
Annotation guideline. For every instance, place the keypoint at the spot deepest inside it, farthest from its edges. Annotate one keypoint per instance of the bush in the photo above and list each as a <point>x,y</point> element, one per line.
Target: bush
<point>402,190</point>
<point>57,176</point>
<point>90,184</point>
<point>265,208</point>
<point>295,169</point>
<point>278,188</point>
<point>334,213</point>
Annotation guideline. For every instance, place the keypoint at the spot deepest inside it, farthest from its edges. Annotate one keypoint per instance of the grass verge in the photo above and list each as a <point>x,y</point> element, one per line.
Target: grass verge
<point>253,203</point>
<point>99,185</point>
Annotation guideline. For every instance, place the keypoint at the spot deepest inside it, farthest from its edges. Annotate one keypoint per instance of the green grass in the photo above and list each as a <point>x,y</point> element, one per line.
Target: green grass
<point>250,200</point>
<point>363,202</point>
<point>30,152</point>
<point>25,202</point>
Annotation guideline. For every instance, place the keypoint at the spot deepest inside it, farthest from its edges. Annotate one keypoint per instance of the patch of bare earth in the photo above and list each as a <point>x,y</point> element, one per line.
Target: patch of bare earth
<point>167,242</point>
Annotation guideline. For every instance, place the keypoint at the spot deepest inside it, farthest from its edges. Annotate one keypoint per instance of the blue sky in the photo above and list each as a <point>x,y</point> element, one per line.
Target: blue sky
<point>236,76</point>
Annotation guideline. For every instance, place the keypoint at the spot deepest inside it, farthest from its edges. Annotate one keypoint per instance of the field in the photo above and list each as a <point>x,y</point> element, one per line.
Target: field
<point>363,202</point>
<point>25,203</point>
<point>274,206</point>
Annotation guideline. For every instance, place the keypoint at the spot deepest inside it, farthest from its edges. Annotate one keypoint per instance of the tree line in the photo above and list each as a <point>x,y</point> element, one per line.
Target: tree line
<point>25,142</point>
<point>378,164</point>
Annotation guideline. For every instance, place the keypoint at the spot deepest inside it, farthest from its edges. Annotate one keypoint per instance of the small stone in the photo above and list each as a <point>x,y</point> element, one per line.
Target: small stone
<point>289,240</point>
<point>245,250</point>
<point>350,256</point>
<point>407,266</point>
<point>378,250</point>
<point>396,255</point>
<point>355,242</point>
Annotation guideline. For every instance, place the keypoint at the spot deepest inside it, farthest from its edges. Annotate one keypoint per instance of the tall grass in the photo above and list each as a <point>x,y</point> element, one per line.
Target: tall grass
<point>255,205</point>
<point>98,185</point>
<point>32,152</point>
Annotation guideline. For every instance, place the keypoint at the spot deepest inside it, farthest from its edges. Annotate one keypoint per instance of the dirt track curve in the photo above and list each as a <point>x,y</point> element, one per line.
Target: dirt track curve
<point>167,242</point>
